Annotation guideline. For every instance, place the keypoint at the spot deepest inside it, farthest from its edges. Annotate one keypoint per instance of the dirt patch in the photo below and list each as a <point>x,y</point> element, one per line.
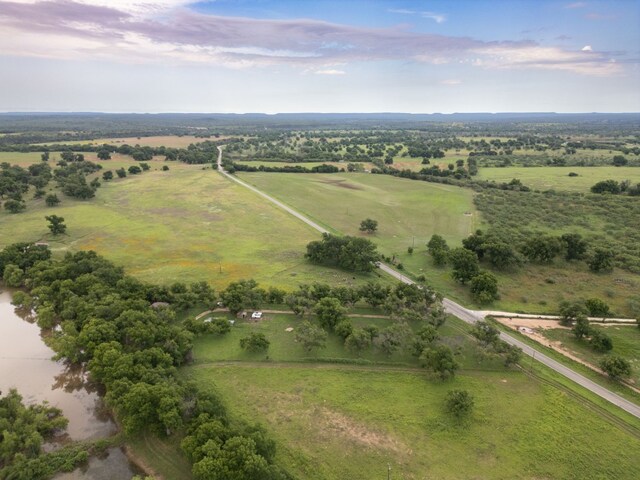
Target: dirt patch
<point>341,184</point>
<point>336,423</point>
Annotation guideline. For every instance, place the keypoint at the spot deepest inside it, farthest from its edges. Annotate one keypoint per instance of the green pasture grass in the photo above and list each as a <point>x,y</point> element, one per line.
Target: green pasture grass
<point>557,178</point>
<point>408,212</point>
<point>186,224</point>
<point>336,422</point>
<point>284,348</point>
<point>257,163</point>
<point>21,159</point>
<point>161,454</point>
<point>176,141</point>
<point>626,343</point>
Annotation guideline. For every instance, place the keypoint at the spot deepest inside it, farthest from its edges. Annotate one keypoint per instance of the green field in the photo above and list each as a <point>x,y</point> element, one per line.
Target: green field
<point>335,422</point>
<point>186,224</point>
<point>408,212</point>
<point>626,343</point>
<point>557,178</point>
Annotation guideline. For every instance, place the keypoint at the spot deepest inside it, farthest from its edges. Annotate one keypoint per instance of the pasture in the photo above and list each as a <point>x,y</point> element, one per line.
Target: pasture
<point>175,141</point>
<point>557,178</point>
<point>626,343</point>
<point>335,422</point>
<point>185,224</point>
<point>408,212</point>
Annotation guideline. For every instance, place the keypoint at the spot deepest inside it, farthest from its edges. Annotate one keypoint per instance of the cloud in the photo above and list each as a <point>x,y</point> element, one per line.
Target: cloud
<point>575,5</point>
<point>437,17</point>
<point>166,31</point>
<point>330,72</point>
<point>586,48</point>
<point>451,81</point>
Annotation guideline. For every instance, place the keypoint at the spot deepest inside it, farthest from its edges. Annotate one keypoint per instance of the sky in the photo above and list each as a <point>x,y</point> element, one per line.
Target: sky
<point>239,56</point>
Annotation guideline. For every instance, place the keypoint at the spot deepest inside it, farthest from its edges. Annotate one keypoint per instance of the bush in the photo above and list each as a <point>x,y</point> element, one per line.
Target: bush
<point>616,367</point>
<point>459,403</point>
<point>255,342</point>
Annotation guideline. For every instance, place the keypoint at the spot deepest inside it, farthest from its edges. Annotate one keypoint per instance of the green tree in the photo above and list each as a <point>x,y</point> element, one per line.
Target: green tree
<point>465,264</point>
<point>393,338</point>
<point>56,224</point>
<point>541,248</point>
<point>13,275</point>
<point>358,341</point>
<point>440,360</point>
<point>484,287</point>
<point>108,175</point>
<point>600,341</point>
<point>459,403</point>
<point>619,161</point>
<point>597,307</point>
<point>571,311</point>
<point>310,336</point>
<point>134,170</point>
<point>121,172</point>
<point>601,260</point>
<point>242,294</point>
<point>575,246</point>
<point>369,225</point>
<point>14,206</point>
<point>255,342</point>
<point>438,249</point>
<point>485,333</point>
<point>581,327</point>
<point>104,154</point>
<point>51,200</point>
<point>606,186</point>
<point>616,367</point>
<point>329,311</point>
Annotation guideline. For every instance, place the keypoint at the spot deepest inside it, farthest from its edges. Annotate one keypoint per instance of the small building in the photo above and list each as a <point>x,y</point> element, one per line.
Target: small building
<point>256,315</point>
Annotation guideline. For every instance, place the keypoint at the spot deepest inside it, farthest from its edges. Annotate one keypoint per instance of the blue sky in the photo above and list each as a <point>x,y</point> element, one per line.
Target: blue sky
<point>319,56</point>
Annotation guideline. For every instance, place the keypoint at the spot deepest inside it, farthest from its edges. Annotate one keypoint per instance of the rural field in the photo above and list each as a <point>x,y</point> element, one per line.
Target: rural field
<point>186,224</point>
<point>175,141</point>
<point>409,212</point>
<point>333,422</point>
<point>557,178</point>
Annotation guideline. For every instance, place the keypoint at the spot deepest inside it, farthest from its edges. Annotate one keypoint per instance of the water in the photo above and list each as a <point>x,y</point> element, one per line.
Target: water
<point>25,364</point>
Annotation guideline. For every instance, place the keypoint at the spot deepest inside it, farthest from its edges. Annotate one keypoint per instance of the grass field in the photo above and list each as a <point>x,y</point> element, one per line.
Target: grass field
<point>152,141</point>
<point>335,422</point>
<point>626,343</point>
<point>186,224</point>
<point>557,178</point>
<point>408,212</point>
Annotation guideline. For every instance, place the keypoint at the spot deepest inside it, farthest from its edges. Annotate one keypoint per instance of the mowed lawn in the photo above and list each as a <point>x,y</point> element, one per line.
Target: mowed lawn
<point>186,224</point>
<point>557,178</point>
<point>337,422</point>
<point>408,212</point>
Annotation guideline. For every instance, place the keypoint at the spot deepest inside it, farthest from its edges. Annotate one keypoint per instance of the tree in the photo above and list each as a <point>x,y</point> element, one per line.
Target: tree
<point>484,287</point>
<point>575,246</point>
<point>475,243</point>
<point>541,248</point>
<point>616,367</point>
<point>500,254</point>
<point>56,224</point>
<point>108,175</point>
<point>329,311</point>
<point>619,161</point>
<point>14,206</point>
<point>440,360</point>
<point>459,403</point>
<point>485,333</point>
<point>255,342</point>
<point>104,154</point>
<point>606,186</point>
<point>121,172</point>
<point>368,225</point>
<point>44,157</point>
<point>310,336</point>
<point>374,293</point>
<point>165,168</point>
<point>597,307</point>
<point>358,340</point>
<point>465,264</point>
<point>51,200</point>
<point>134,170</point>
<point>581,327</point>
<point>425,337</point>
<point>242,294</point>
<point>344,328</point>
<point>438,249</point>
<point>600,341</point>
<point>13,275</point>
<point>601,260</point>
<point>393,338</point>
<point>571,311</point>
<point>350,253</point>
<point>145,166</point>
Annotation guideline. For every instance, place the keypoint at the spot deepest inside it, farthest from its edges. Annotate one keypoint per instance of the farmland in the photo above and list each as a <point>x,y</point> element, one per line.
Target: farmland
<point>185,224</point>
<point>557,178</point>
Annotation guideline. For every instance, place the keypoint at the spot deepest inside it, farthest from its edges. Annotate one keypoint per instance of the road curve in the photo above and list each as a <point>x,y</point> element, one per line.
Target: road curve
<point>466,315</point>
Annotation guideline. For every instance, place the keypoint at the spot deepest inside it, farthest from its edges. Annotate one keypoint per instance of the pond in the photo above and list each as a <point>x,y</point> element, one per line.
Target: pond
<point>26,365</point>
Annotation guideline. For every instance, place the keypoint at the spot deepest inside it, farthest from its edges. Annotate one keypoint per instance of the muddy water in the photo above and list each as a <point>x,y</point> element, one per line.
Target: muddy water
<point>25,364</point>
